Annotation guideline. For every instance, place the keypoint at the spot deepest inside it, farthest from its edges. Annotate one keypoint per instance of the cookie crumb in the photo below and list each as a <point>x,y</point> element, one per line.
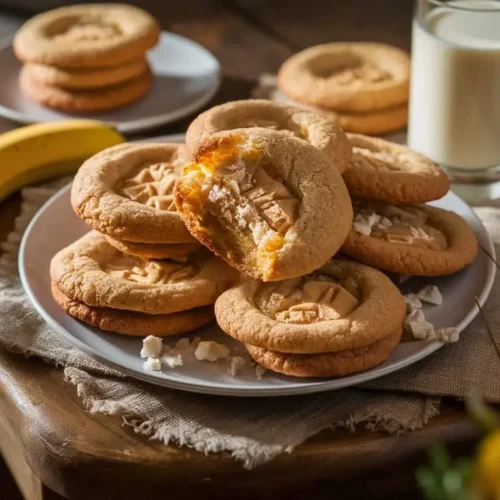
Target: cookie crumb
<point>173,361</point>
<point>412,302</point>
<point>152,364</point>
<point>415,315</point>
<point>210,351</point>
<point>422,330</point>
<point>259,371</point>
<point>364,223</point>
<point>431,295</point>
<point>183,344</point>
<point>151,347</point>
<point>447,334</point>
<point>237,364</point>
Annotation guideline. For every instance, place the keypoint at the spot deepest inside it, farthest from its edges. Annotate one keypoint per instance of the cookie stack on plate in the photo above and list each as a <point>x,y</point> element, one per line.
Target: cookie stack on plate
<point>86,57</point>
<point>282,195</point>
<point>139,272</point>
<point>265,193</point>
<point>393,229</point>
<point>363,86</point>
<point>126,193</point>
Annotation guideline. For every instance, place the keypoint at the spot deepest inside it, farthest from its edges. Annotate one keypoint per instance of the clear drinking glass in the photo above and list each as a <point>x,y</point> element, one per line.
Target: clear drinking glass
<point>454,110</point>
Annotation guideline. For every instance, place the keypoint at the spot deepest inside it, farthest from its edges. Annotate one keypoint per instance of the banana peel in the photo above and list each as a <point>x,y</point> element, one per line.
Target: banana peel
<point>39,152</point>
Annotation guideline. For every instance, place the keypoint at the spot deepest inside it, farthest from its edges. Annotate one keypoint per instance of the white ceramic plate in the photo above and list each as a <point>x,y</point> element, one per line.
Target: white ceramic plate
<point>56,226</point>
<point>187,76</point>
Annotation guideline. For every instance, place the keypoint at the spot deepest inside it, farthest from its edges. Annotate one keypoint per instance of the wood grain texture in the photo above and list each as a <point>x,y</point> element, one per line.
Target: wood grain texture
<point>305,23</point>
<point>93,456</point>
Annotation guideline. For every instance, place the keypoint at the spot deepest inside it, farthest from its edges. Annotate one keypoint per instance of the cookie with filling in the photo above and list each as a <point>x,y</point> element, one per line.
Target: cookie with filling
<point>126,192</point>
<point>264,201</point>
<point>313,128</point>
<point>332,364</point>
<point>134,323</point>
<point>87,36</point>
<point>348,76</point>
<point>342,306</point>
<point>93,272</point>
<point>418,240</point>
<point>393,173</point>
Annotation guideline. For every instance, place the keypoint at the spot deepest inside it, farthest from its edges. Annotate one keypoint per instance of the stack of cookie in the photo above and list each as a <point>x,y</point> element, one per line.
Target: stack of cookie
<point>86,57</point>
<point>126,193</point>
<point>110,278</point>
<point>265,193</point>
<point>393,229</point>
<point>278,193</point>
<point>362,86</point>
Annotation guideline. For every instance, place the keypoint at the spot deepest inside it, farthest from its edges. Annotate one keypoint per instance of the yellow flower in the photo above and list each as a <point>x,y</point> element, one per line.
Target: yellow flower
<point>488,467</point>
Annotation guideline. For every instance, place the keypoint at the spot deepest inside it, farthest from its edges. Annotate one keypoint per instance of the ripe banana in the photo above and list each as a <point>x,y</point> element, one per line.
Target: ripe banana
<point>37,152</point>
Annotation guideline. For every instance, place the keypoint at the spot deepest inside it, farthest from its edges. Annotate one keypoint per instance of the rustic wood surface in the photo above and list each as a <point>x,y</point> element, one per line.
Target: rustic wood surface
<point>43,427</point>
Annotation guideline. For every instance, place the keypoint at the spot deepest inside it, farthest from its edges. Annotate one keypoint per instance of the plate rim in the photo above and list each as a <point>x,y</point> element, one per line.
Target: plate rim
<point>141,124</point>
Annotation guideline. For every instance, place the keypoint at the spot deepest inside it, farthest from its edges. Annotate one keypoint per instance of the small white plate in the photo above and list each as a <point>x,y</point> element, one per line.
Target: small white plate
<point>56,226</point>
<point>186,74</point>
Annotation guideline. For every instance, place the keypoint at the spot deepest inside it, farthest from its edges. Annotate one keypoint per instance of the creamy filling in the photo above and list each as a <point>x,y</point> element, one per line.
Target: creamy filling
<point>153,272</point>
<point>310,299</point>
<point>151,185</point>
<point>399,225</point>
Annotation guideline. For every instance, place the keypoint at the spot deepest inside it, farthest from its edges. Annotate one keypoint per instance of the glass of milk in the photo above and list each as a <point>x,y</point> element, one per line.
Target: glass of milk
<point>454,113</point>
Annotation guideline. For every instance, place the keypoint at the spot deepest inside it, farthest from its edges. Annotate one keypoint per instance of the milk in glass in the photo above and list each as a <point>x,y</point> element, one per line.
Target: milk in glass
<point>454,115</point>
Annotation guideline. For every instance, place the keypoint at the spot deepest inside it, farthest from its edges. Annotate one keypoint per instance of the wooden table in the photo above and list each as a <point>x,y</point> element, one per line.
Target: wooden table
<point>49,441</point>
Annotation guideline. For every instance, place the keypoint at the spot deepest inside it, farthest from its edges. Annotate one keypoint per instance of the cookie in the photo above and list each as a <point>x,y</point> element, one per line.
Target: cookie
<point>93,272</point>
<point>418,240</point>
<point>354,77</point>
<point>376,122</point>
<point>270,204</point>
<point>174,251</point>
<point>87,36</point>
<point>317,130</point>
<point>382,121</point>
<point>78,79</point>
<point>126,192</point>
<point>342,306</point>
<point>389,172</point>
<point>134,323</point>
<point>101,99</point>
<point>332,364</point>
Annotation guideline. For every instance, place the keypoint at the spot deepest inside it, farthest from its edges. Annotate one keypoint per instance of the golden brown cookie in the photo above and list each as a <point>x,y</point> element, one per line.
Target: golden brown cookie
<point>126,192</point>
<point>78,79</point>
<point>269,204</point>
<point>376,122</point>
<point>332,364</point>
<point>173,251</point>
<point>93,272</point>
<point>87,36</point>
<point>134,323</point>
<point>317,130</point>
<point>389,172</point>
<point>418,240</point>
<point>347,76</point>
<point>101,99</point>
<point>342,306</point>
